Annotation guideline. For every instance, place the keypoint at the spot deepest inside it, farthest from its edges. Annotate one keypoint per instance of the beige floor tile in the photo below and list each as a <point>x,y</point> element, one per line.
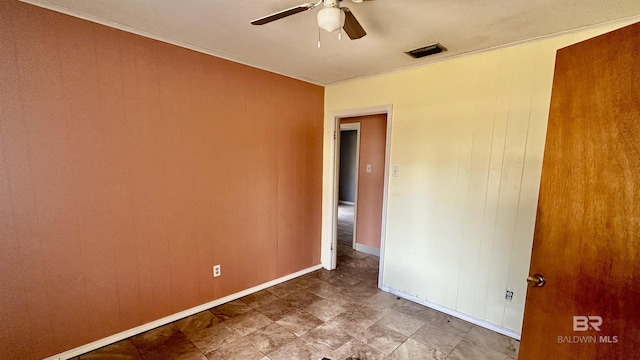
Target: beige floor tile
<point>271,338</point>
<point>355,319</point>
<point>327,335</point>
<point>415,310</point>
<point>327,309</point>
<point>231,309</point>
<point>381,338</point>
<point>401,323</point>
<point>383,301</point>
<point>248,322</point>
<point>206,331</point>
<point>368,277</point>
<point>301,299</point>
<point>414,350</point>
<point>367,262</point>
<point>284,289</point>
<point>323,274</point>
<point>342,296</point>
<point>348,271</point>
<point>239,349</point>
<point>450,324</point>
<point>342,280</point>
<point>360,310</point>
<point>486,338</point>
<point>301,350</point>
<point>350,252</point>
<point>306,281</point>
<point>361,291</point>
<point>278,309</point>
<point>300,322</point>
<point>437,338</point>
<point>466,350</point>
<point>166,342</point>
<point>259,298</point>
<point>201,320</point>
<point>355,349</point>
<point>324,290</point>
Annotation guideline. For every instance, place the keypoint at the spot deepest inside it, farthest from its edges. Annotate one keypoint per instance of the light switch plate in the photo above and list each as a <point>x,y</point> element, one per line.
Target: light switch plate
<point>368,168</point>
<point>396,171</point>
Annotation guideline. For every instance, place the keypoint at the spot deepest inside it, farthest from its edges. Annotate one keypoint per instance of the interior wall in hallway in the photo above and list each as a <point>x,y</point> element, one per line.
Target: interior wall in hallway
<point>348,165</point>
<point>373,132</point>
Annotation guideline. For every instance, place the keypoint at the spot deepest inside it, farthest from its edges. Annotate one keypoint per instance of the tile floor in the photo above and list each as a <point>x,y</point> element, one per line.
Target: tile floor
<point>337,314</point>
<point>345,224</point>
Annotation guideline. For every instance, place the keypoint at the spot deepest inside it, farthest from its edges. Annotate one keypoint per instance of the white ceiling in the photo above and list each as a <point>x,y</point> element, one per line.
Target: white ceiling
<point>289,46</point>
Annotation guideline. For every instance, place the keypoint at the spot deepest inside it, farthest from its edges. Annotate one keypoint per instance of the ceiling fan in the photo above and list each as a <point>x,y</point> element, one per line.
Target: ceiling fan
<point>330,17</point>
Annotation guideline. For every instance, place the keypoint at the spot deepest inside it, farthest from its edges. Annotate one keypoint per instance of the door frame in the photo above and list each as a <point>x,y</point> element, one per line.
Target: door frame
<point>351,127</point>
<point>333,187</point>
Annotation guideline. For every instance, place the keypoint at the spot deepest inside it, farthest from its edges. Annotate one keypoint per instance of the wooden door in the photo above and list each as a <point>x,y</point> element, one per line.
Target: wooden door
<point>587,235</point>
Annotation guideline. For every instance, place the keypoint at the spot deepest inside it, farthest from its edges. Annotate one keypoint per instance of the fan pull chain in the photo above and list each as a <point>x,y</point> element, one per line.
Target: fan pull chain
<point>318,38</point>
<point>340,34</point>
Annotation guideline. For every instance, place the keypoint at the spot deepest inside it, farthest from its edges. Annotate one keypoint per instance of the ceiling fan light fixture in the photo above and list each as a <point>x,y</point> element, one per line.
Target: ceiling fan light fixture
<point>330,19</point>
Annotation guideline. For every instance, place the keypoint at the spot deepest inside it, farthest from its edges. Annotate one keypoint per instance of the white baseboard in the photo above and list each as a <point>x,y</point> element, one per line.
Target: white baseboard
<point>474,320</point>
<point>171,318</point>
<point>367,249</point>
<point>346,202</point>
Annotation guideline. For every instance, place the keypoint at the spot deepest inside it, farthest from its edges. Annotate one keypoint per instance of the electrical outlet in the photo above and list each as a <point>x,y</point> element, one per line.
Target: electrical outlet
<point>216,270</point>
<point>509,295</point>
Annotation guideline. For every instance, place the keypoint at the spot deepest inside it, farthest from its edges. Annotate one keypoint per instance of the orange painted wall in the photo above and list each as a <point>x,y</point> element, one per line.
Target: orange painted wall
<point>128,167</point>
<point>373,133</point>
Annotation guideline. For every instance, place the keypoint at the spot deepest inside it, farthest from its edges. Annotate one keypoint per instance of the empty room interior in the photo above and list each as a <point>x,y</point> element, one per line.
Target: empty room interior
<point>270,181</point>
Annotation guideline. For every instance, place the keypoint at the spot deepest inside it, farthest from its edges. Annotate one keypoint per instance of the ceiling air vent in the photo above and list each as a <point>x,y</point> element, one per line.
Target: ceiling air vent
<point>426,51</point>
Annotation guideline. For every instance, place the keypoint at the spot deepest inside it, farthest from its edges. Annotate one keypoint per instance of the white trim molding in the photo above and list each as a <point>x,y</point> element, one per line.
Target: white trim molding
<point>474,320</point>
<point>367,249</point>
<point>177,316</point>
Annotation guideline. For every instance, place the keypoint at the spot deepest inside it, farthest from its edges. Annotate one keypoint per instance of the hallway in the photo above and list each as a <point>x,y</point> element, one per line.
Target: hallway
<point>345,224</point>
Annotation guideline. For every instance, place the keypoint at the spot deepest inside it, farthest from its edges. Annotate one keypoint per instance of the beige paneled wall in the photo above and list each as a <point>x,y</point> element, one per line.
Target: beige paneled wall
<point>468,135</point>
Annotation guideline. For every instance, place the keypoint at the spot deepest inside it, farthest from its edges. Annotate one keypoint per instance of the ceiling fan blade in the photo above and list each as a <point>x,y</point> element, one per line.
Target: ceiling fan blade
<point>351,25</point>
<point>282,14</point>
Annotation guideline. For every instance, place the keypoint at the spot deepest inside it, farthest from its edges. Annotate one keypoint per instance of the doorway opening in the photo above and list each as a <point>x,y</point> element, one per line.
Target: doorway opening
<point>367,190</point>
<point>348,183</point>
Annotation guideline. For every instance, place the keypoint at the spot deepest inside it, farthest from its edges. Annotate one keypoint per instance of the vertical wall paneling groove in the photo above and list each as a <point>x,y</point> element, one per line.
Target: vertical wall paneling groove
<point>468,136</point>
<point>129,167</point>
<point>12,293</point>
<point>22,202</point>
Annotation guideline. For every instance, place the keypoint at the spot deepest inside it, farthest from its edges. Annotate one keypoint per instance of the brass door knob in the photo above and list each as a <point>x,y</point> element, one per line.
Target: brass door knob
<point>537,280</point>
